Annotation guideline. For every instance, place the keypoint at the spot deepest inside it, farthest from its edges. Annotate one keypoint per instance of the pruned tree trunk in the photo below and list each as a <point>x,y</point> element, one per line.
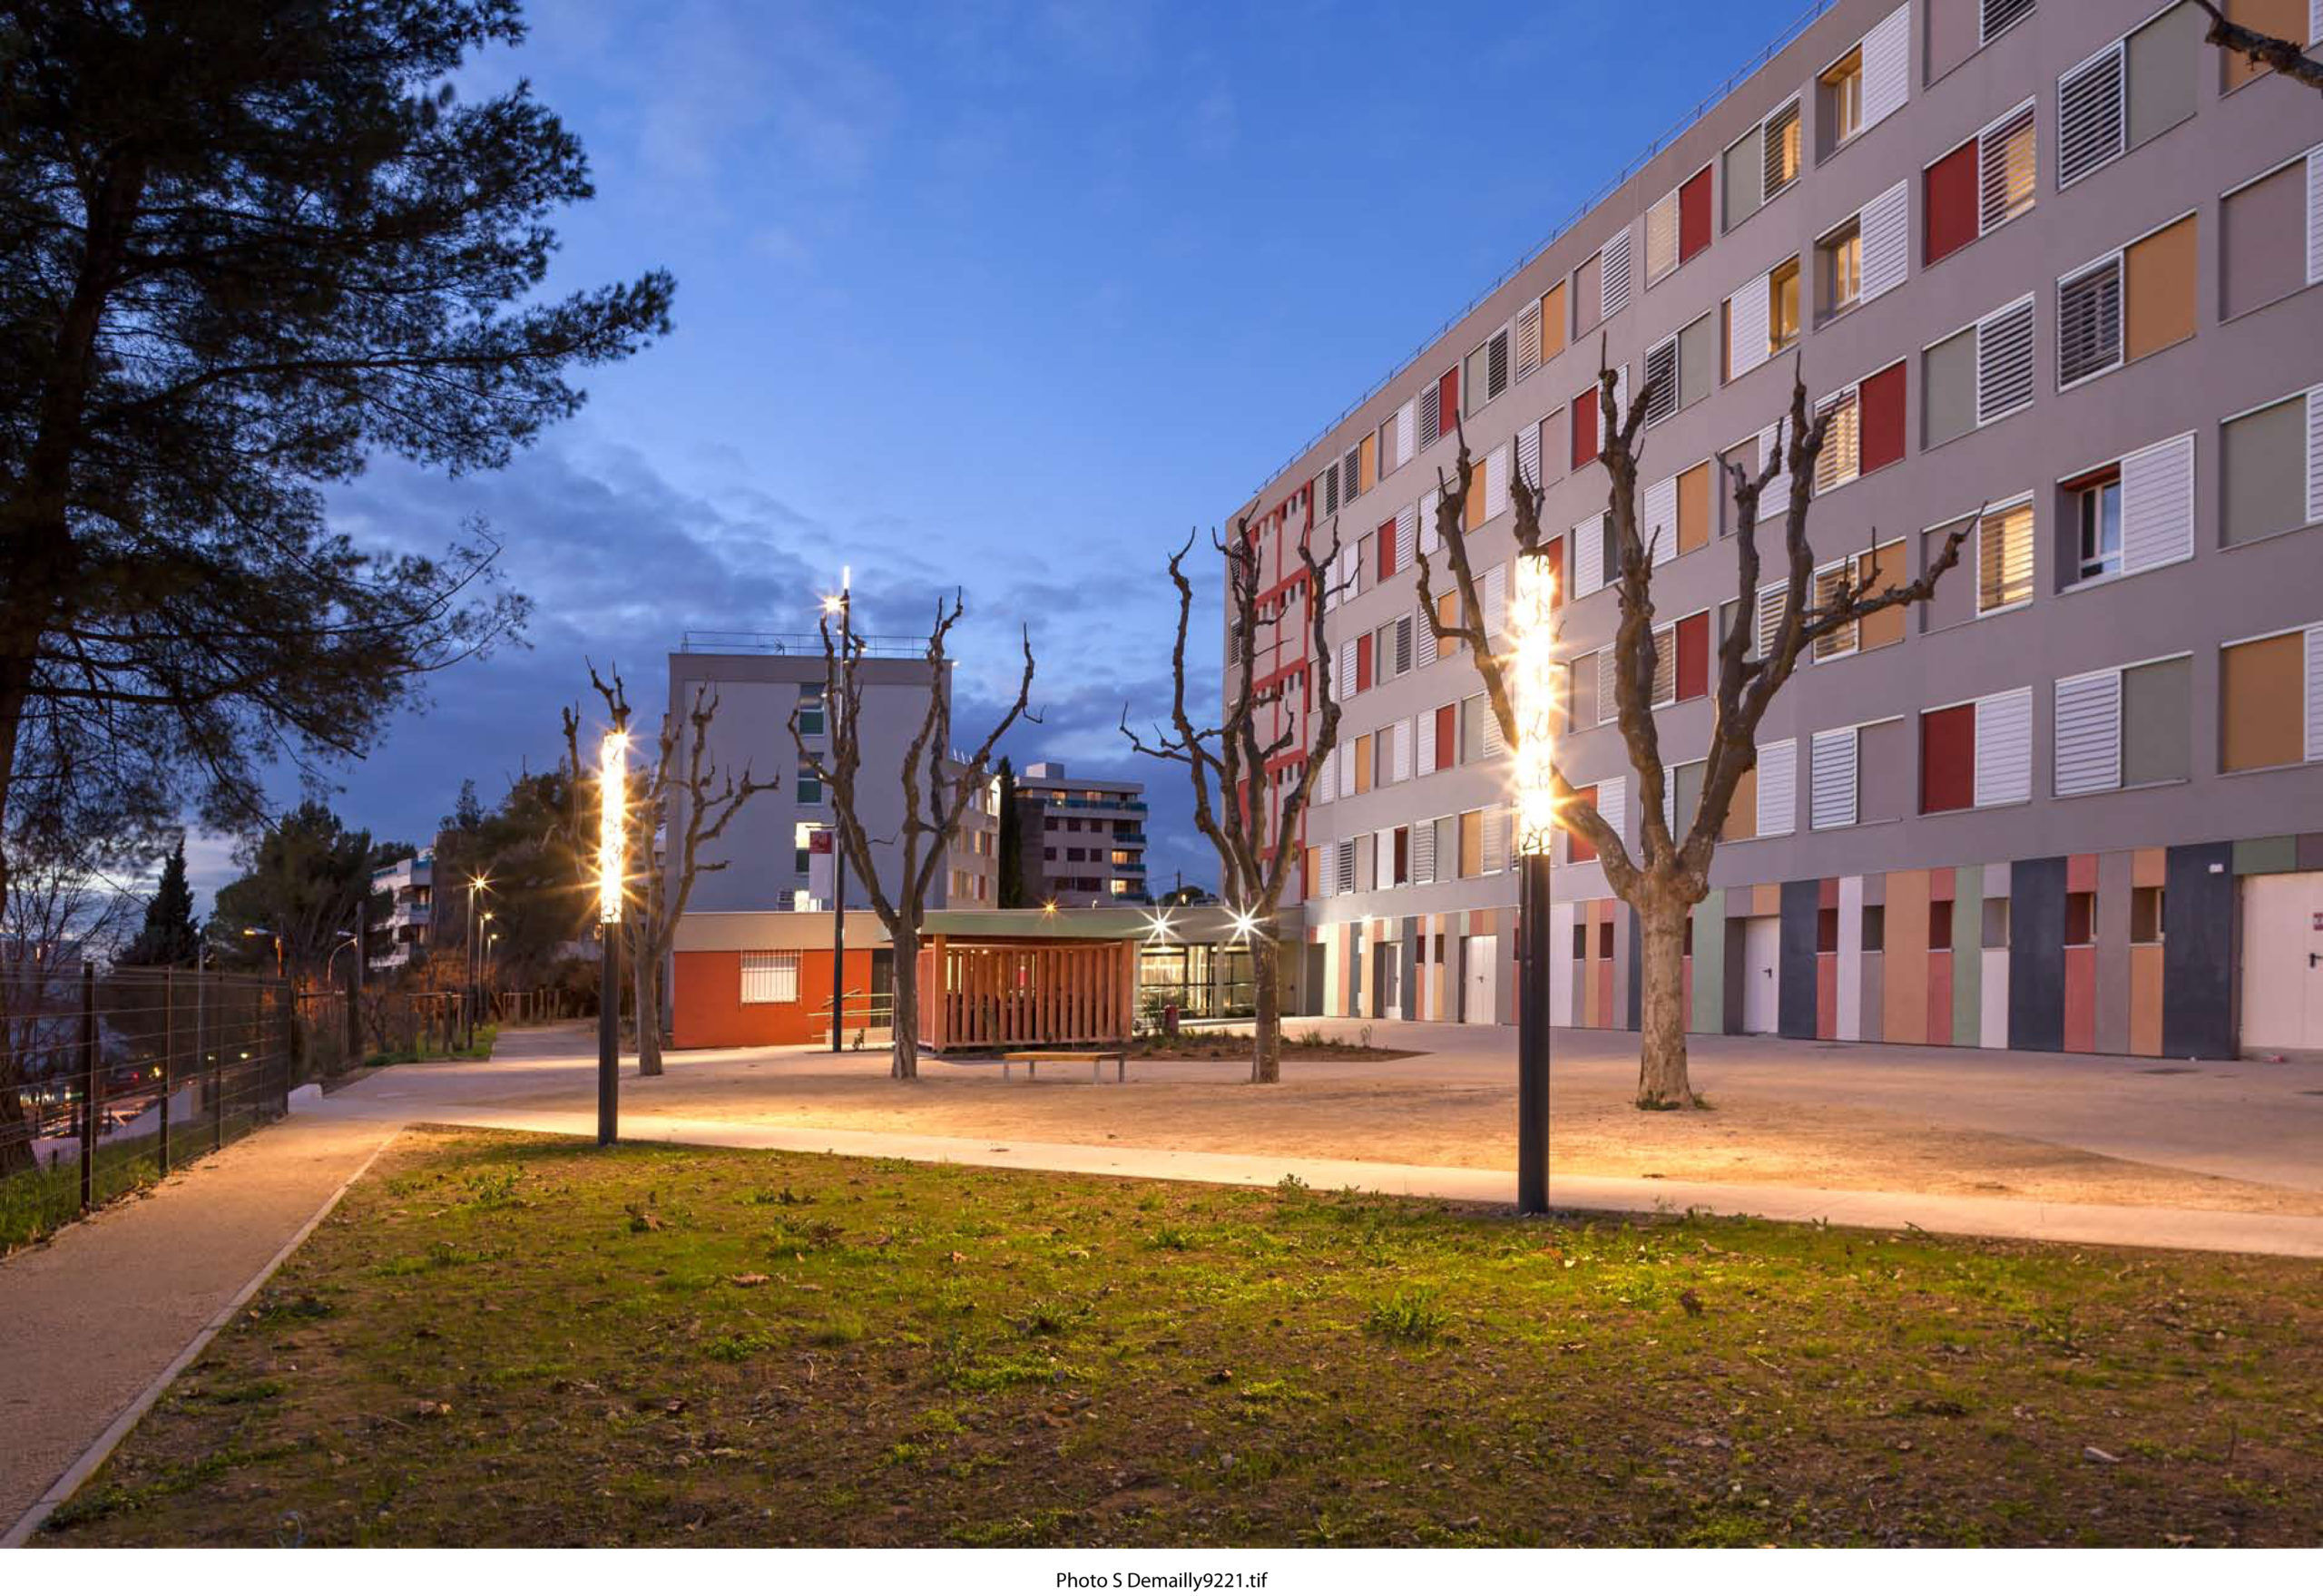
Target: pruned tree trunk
<point>1265,995</point>
<point>648,983</point>
<point>1662,907</point>
<point>905,1063</point>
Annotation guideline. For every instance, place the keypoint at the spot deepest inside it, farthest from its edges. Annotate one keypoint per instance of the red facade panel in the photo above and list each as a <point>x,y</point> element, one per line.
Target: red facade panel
<point>1447,396</point>
<point>1694,215</point>
<point>1555,550</point>
<point>1693,656</point>
<point>1386,538</point>
<point>1948,758</point>
<point>1586,430</point>
<point>1363,663</point>
<point>1882,414</point>
<point>1579,849</point>
<point>1447,737</point>
<point>1950,203</point>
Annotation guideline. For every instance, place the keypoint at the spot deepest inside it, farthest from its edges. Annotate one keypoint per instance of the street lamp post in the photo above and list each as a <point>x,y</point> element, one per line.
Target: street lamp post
<point>841,604</point>
<point>613,781</point>
<point>477,883</point>
<point>1533,628</point>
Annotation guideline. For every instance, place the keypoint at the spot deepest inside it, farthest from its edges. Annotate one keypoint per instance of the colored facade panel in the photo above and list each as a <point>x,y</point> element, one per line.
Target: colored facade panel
<point>2160,310</point>
<point>2036,950</point>
<point>1969,964</point>
<point>1949,214</point>
<point>1906,961</point>
<point>1948,758</point>
<point>2198,951</point>
<point>1795,1003</point>
<point>1882,409</point>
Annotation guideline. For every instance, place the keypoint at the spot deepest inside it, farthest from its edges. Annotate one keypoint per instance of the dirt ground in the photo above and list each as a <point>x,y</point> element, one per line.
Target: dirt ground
<point>1406,1111</point>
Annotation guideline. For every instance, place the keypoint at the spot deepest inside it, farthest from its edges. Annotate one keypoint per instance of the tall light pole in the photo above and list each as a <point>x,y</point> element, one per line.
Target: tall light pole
<point>612,862</point>
<point>1533,629</point>
<point>477,883</point>
<point>841,605</point>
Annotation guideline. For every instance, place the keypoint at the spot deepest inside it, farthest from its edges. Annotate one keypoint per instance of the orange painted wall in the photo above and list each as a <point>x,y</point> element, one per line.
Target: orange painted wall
<point>708,1010</point>
<point>1826,996</point>
<point>1938,1018</point>
<point>1904,968</point>
<point>2145,999</point>
<point>2081,1000</point>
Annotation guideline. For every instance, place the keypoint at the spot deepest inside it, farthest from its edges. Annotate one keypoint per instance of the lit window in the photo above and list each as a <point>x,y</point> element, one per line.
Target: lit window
<point>1843,96</point>
<point>1782,305</point>
<point>1842,255</point>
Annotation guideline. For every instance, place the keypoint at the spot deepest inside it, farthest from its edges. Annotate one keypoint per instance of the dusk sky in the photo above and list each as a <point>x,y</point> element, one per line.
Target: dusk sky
<point>1007,296</point>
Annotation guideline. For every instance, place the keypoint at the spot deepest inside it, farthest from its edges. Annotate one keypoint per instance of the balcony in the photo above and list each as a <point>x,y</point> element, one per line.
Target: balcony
<point>1136,806</point>
<point>1127,839</point>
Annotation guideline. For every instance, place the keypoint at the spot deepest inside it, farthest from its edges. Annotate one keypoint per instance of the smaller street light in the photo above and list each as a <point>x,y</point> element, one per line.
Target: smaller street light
<point>612,862</point>
<point>1533,627</point>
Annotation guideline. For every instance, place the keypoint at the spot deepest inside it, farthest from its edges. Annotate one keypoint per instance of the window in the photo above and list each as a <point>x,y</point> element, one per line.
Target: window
<point>1779,135</point>
<point>1839,260</point>
<point>1996,364</point>
<point>1982,184</point>
<point>2145,915</point>
<point>2089,322</point>
<point>2091,127</point>
<point>1978,755</point>
<point>1831,780</point>
<point>1782,306</point>
<point>1761,163</point>
<point>2270,701</point>
<point>1487,369</point>
<point>2125,727</point>
<point>2272,468</point>
<point>770,977</point>
<point>1939,925</point>
<point>1587,432</point>
<point>810,715</point>
<point>2005,559</point>
<point>2271,243</point>
<point>1875,928</point>
<point>1997,16</point>
<point>1840,103</point>
<point>1995,922</point>
<point>1613,275</point>
<point>1676,227</point>
<point>1828,580</point>
<point>810,785</point>
<point>1778,796</point>
<point>2128,305</point>
<point>1841,460</point>
<point>1661,393</point>
<point>2097,517</point>
<point>1579,849</point>
<point>2081,919</point>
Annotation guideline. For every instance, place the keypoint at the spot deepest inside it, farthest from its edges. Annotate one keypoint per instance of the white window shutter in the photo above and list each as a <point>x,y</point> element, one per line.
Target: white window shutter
<point>1346,768</point>
<point>1608,690</point>
<point>2315,692</point>
<point>1613,805</point>
<point>1670,798</point>
<point>1383,859</point>
<point>2315,213</point>
<point>1665,665</point>
<point>1351,570</point>
<point>2004,361</point>
<point>1423,853</point>
<point>1589,551</point>
<point>1399,754</point>
<point>2158,505</point>
<point>1660,514</point>
<point>1887,67</point>
<point>1662,236</point>
<point>1775,497</point>
<point>1621,404</point>
<point>1771,607</point>
<point>1528,340</point>
<point>1496,482</point>
<point>2314,455</point>
<point>1528,455</point>
<point>1992,173</point>
<point>2090,106</point>
<point>1405,418</point>
<point>1831,784</point>
<point>1429,539</point>
<point>1423,641</point>
<point>1325,785</point>
<point>1778,787</point>
<point>1347,865</point>
<point>1884,228</point>
<point>1407,536</point>
<point>1495,841</point>
<point>2004,748</point>
<point>1346,685</point>
<point>1496,600</point>
<point>2089,733</point>
<point>1745,328</point>
<point>1613,275</point>
<point>1427,744</point>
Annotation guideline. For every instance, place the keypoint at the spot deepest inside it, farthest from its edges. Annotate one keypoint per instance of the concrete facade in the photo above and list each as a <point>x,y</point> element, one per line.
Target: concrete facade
<point>2063,904</point>
<point>1084,839</point>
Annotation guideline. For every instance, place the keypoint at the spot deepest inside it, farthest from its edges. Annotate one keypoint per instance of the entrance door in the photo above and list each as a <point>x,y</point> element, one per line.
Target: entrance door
<point>2282,962</point>
<point>1480,968</point>
<point>1761,961</point>
<point>1389,984</point>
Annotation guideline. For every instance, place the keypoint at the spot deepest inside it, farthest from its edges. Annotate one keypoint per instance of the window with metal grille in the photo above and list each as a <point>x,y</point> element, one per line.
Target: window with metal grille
<point>2004,181</point>
<point>2005,559</point>
<point>1351,474</point>
<point>1778,142</point>
<point>2089,322</point>
<point>1613,277</point>
<point>1331,489</point>
<point>1497,365</point>
<point>1842,456</point>
<point>1431,416</point>
<point>2090,125</point>
<point>770,977</point>
<point>1661,381</point>
<point>2004,361</point>
<point>1997,16</point>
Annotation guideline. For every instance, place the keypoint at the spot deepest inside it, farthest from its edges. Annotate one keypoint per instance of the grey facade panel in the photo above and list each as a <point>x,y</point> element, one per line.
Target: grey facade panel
<point>2112,933</point>
<point>2198,931</point>
<point>2265,471</point>
<point>2168,65</point>
<point>2157,706</point>
<point>2262,248</point>
<point>1795,978</point>
<point>1887,771</point>
<point>2036,953</point>
<point>1949,389</point>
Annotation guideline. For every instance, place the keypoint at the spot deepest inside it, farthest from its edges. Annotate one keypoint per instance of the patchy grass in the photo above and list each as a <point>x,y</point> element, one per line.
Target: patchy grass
<point>1229,1045</point>
<point>434,1050</point>
<point>483,1347</point>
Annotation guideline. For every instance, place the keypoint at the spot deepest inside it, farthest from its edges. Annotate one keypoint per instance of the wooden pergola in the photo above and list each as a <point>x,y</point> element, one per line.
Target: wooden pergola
<point>1010,992</point>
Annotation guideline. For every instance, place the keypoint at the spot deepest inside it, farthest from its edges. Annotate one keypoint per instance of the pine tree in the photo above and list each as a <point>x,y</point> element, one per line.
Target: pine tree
<point>169,935</point>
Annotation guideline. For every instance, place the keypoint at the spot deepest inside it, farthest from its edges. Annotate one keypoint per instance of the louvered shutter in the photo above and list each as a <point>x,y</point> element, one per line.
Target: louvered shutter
<point>1661,237</point>
<point>1496,839</point>
<point>1614,804</point>
<point>1887,69</point>
<point>2315,217</point>
<point>1325,785</point>
<point>2089,733</point>
<point>2158,505</point>
<point>1423,642</point>
<point>2089,121</point>
<point>1496,482</point>
<point>1883,229</point>
<point>1661,381</point>
<point>1528,340</point>
<point>1347,770</point>
<point>1383,859</point>
<point>1347,865</point>
<point>1665,665</point>
<point>1621,404</point>
<point>1778,787</point>
<point>1406,536</point>
<point>1831,784</point>
<point>2004,748</point>
<point>1670,798</point>
<point>1745,328</point>
<point>1837,462</point>
<point>1347,670</point>
<point>1399,751</point>
<point>2004,361</point>
<point>1405,419</point>
<point>2089,322</point>
<point>1660,521</point>
<point>1528,455</point>
<point>2000,163</point>
<point>1431,416</point>
<point>1608,690</point>
<point>1774,499</point>
<point>1423,853</point>
<point>2315,454</point>
<point>2315,692</point>
<point>1427,744</point>
<point>1589,555</point>
<point>1403,645</point>
<point>1775,137</point>
<point>1430,540</point>
<point>1770,608</point>
<point>1497,365</point>
<point>1613,275</point>
<point>1996,16</point>
<point>1351,570</point>
<point>1487,731</point>
<point>1496,600</point>
<point>1351,473</point>
<point>1330,481</point>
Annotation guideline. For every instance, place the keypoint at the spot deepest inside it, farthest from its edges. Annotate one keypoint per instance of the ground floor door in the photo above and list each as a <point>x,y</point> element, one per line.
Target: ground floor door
<point>1479,971</point>
<point>2282,962</point>
<point>1761,966</point>
<point>1389,984</point>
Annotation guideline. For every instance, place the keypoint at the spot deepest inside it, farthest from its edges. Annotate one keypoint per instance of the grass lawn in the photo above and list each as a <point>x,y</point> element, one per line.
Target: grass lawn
<point>501,1339</point>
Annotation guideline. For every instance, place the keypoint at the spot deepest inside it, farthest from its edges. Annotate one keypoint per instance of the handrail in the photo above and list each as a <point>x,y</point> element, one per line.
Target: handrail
<point>1604,193</point>
<point>809,644</point>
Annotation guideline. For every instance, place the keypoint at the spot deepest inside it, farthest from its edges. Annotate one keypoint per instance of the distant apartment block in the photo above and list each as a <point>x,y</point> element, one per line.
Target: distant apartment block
<point>2054,271</point>
<point>1084,840</point>
<point>409,926</point>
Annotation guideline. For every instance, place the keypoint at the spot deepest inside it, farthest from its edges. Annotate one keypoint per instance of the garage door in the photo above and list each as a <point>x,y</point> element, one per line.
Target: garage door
<point>2282,962</point>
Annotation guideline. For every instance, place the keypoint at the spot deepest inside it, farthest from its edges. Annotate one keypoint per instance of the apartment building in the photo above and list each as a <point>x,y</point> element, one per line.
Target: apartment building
<point>409,926</point>
<point>1084,840</point>
<point>2053,267</point>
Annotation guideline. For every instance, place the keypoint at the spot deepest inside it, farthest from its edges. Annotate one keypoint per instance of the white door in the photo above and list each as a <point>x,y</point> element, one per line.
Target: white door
<point>1391,981</point>
<point>2282,962</point>
<point>1482,965</point>
<point>1761,958</point>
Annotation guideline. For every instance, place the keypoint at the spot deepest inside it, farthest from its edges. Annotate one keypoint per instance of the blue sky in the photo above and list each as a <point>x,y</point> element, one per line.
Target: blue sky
<point>1007,296</point>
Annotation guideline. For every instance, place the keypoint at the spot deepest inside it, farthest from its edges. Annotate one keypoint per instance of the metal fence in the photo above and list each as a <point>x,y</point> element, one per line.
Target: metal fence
<point>108,1080</point>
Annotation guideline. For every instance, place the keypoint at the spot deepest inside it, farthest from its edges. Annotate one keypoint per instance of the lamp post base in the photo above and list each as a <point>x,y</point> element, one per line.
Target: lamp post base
<point>609,1037</point>
<point>1533,1036</point>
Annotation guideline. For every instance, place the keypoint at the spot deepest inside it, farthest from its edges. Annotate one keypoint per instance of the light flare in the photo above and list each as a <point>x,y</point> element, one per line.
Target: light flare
<point>1532,626</point>
<point>613,838</point>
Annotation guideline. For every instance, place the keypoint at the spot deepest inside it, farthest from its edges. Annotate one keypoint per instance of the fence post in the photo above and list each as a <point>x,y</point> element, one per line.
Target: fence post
<point>169,1050</point>
<point>88,1085</point>
<point>287,1004</point>
<point>217,1098</point>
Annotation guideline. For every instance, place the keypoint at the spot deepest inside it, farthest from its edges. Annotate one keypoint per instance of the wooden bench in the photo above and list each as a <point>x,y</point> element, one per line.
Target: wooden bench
<point>1094,1057</point>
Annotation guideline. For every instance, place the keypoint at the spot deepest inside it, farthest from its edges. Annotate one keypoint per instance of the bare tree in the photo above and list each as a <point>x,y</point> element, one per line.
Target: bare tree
<point>2263,49</point>
<point>1670,873</point>
<point>934,798</point>
<point>1255,831</point>
<point>59,913</point>
<point>685,790</point>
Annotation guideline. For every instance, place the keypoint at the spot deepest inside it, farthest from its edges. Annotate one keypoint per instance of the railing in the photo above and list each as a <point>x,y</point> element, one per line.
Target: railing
<point>1580,214</point>
<point>807,645</point>
<point>1081,803</point>
<point>866,1019</point>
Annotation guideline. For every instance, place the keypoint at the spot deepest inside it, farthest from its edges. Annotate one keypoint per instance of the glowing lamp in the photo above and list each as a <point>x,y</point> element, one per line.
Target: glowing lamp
<point>1532,679</point>
<point>612,780</point>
